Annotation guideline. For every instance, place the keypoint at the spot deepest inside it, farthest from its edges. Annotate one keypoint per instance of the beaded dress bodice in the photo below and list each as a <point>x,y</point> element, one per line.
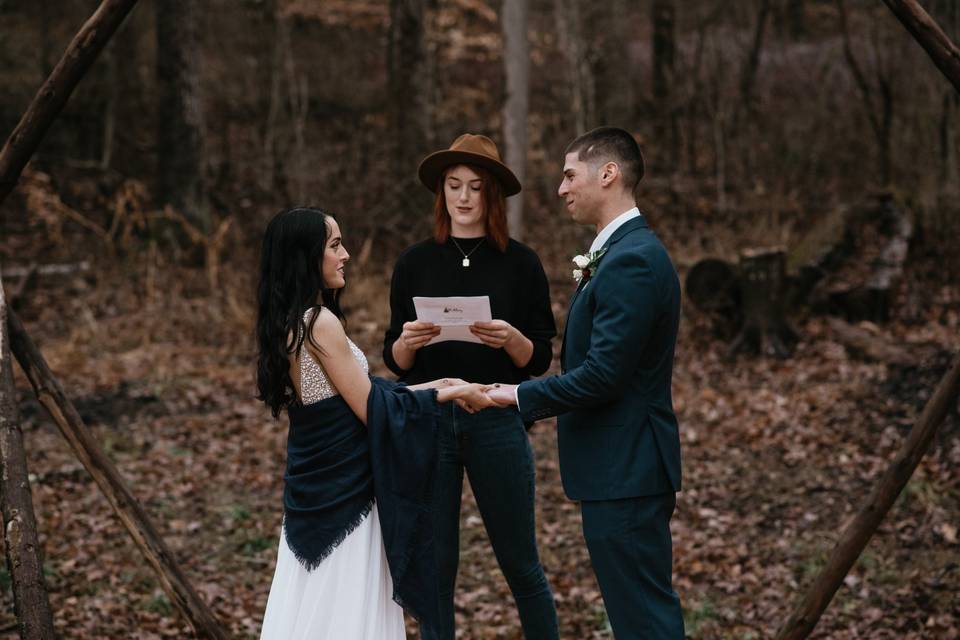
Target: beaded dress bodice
<point>314,384</point>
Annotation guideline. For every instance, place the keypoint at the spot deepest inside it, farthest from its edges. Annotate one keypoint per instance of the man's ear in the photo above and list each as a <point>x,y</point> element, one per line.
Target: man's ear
<point>609,172</point>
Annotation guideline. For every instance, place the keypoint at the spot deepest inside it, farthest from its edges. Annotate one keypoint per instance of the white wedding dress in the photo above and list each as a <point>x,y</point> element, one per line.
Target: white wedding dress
<point>349,595</point>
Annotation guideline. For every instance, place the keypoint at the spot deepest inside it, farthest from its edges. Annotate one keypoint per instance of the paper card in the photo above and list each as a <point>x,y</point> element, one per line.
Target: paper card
<point>453,315</point>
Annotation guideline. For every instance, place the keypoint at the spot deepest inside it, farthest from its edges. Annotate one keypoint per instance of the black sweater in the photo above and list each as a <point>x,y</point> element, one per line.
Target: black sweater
<point>519,294</point>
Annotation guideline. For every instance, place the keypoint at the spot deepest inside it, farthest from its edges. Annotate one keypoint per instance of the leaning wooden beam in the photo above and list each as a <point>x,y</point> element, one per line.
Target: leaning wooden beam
<point>52,397</point>
<point>931,37</point>
<point>55,92</point>
<point>30,602</point>
<point>856,535</point>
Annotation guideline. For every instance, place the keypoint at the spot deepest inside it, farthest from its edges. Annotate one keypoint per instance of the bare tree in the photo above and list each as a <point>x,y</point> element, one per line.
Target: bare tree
<point>880,123</point>
<point>298,99</point>
<point>797,17</point>
<point>411,83</point>
<point>751,63</point>
<point>570,39</point>
<point>24,564</point>
<point>663,17</point>
<point>612,69</point>
<point>180,126</point>
<point>516,62</point>
<point>268,171</point>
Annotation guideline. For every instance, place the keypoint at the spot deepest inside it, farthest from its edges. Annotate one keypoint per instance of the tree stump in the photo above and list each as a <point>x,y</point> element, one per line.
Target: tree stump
<point>763,293</point>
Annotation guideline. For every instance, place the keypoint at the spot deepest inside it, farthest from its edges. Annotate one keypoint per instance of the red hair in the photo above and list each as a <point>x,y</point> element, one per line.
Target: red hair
<point>494,204</point>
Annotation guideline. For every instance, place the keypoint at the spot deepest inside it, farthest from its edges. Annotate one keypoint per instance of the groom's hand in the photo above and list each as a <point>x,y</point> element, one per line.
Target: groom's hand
<point>503,395</point>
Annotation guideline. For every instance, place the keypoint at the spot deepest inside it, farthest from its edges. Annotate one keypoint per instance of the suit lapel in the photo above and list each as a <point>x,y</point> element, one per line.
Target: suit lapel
<point>630,225</point>
<point>566,325</point>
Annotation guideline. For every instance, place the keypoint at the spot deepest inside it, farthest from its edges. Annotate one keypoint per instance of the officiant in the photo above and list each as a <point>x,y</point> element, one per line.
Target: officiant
<point>471,254</point>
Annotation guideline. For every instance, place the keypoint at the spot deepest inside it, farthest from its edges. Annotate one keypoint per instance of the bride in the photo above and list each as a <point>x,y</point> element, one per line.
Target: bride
<point>356,543</point>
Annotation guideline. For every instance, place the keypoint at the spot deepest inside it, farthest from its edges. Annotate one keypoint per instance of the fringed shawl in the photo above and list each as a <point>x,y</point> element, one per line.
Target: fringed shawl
<point>336,467</point>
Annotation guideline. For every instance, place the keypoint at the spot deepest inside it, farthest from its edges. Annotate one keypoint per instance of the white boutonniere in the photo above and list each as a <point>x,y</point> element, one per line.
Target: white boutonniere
<point>586,264</point>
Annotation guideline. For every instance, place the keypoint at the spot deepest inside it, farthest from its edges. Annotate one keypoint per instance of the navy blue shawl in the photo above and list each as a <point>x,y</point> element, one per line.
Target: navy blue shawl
<point>336,467</point>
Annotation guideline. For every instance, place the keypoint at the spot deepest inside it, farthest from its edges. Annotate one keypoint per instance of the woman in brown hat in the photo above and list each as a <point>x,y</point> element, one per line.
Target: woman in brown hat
<point>471,254</point>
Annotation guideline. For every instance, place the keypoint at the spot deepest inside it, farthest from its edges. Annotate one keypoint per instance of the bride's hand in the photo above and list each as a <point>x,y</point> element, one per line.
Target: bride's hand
<point>470,397</point>
<point>439,383</point>
<point>473,397</point>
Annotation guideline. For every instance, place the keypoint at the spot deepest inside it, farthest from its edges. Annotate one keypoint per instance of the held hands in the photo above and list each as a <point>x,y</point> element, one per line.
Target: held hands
<point>502,395</point>
<point>474,397</point>
<point>471,397</point>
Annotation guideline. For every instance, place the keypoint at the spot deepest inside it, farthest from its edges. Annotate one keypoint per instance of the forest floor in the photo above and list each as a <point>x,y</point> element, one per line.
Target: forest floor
<point>777,456</point>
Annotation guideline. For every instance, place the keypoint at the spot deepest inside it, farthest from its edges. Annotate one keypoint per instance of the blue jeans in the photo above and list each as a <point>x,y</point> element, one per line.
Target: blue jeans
<point>492,446</point>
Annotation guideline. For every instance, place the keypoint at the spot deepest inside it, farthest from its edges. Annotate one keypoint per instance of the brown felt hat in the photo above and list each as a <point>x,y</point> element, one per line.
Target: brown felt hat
<point>468,149</point>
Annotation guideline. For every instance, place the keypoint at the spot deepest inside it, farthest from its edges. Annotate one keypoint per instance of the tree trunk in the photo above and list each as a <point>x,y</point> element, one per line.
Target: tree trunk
<point>84,445</point>
<point>613,70</point>
<point>748,72</point>
<point>110,109</point>
<point>56,90</point>
<point>664,53</point>
<point>298,99</point>
<point>882,125</point>
<point>180,125</point>
<point>796,17</point>
<point>24,563</point>
<point>516,62</point>
<point>411,84</point>
<point>948,151</point>
<point>577,64</point>
<point>274,74</point>
<point>46,50</point>
<point>858,532</point>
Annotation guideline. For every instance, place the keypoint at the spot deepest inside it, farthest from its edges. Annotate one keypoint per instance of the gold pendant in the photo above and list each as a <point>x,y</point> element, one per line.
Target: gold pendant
<point>466,262</point>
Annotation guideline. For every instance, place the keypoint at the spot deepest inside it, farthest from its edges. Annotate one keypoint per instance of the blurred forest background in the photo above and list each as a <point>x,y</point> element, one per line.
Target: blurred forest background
<point>129,250</point>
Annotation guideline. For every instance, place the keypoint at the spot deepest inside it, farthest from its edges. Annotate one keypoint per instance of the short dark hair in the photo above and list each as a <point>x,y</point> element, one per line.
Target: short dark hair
<point>608,144</point>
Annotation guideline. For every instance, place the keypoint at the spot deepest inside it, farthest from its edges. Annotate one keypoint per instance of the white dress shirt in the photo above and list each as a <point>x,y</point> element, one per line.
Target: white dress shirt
<point>615,224</point>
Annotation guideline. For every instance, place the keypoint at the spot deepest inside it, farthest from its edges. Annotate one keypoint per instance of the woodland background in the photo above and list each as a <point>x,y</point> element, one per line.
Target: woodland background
<point>759,119</point>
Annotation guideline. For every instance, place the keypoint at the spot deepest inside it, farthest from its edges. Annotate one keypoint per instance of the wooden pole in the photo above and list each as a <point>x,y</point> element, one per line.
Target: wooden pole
<point>858,533</point>
<point>16,152</point>
<point>30,602</point>
<point>55,92</point>
<point>51,396</point>
<point>931,37</point>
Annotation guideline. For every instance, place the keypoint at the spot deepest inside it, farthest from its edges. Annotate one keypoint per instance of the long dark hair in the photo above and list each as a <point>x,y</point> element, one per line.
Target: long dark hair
<point>291,282</point>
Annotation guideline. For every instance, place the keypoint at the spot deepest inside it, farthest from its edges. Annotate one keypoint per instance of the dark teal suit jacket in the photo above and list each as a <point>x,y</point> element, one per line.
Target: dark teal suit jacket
<point>618,435</point>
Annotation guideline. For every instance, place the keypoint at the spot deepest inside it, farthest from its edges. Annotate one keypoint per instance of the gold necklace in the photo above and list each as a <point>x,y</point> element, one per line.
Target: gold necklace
<point>466,256</point>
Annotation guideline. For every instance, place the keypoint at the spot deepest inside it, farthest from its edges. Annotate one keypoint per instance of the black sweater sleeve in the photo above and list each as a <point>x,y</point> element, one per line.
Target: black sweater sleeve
<point>539,325</point>
<point>398,315</point>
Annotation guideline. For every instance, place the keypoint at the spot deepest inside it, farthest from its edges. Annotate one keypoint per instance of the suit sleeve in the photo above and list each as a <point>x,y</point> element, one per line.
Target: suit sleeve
<point>398,315</point>
<point>539,326</point>
<point>624,295</point>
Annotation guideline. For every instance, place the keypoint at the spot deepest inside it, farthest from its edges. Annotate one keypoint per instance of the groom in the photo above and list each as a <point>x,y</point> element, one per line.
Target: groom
<point>618,438</point>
